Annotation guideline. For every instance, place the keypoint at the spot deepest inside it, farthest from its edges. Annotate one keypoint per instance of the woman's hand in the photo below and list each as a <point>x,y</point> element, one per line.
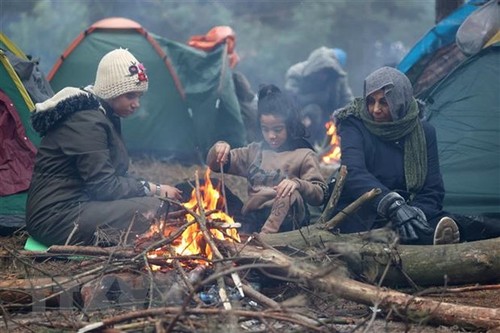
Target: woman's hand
<point>286,187</point>
<point>222,149</point>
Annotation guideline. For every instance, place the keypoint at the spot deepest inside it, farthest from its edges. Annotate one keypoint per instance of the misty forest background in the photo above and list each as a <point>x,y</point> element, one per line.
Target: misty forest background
<point>270,35</point>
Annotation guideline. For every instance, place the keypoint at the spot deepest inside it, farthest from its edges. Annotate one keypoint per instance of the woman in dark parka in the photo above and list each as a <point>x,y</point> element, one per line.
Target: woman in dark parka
<point>385,144</point>
<point>80,191</point>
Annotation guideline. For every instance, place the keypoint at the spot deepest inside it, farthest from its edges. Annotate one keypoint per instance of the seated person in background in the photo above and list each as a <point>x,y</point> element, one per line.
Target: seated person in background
<point>320,85</point>
<point>282,170</point>
<point>80,192</point>
<point>385,144</point>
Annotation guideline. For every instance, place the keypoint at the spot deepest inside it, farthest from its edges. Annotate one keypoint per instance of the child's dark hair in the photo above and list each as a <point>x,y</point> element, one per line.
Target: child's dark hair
<point>272,101</point>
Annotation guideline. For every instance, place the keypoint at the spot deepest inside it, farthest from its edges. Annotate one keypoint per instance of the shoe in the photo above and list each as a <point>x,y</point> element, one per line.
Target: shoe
<point>446,232</point>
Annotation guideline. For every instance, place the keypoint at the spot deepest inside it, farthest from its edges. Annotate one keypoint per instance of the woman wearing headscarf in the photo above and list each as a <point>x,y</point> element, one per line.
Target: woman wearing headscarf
<point>385,144</point>
<point>80,192</point>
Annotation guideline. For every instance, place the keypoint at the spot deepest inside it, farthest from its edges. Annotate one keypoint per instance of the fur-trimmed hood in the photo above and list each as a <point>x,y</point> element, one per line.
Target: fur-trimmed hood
<point>59,107</point>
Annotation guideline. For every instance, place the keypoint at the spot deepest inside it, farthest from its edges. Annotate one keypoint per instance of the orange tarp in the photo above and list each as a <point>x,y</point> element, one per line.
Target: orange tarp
<point>213,38</point>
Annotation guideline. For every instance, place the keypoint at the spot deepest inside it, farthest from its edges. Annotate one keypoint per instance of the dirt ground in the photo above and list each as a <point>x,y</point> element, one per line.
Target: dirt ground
<point>340,314</point>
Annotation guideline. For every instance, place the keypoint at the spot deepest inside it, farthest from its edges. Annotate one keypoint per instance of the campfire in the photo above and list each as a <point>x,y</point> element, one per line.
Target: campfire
<point>332,156</point>
<point>192,243</point>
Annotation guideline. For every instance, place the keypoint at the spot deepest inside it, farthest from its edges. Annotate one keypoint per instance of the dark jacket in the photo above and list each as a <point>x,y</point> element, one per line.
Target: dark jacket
<point>81,159</point>
<point>301,80</point>
<point>374,163</point>
<point>320,86</point>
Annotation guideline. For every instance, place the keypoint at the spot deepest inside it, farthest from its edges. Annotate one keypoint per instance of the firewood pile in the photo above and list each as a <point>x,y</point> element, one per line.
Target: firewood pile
<point>193,272</point>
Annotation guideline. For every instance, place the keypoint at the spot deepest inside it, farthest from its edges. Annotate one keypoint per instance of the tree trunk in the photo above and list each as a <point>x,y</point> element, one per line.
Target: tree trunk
<point>473,262</point>
<point>445,7</point>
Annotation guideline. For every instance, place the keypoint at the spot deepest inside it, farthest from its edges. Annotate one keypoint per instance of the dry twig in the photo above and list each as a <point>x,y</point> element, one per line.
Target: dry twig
<point>351,208</point>
<point>335,195</point>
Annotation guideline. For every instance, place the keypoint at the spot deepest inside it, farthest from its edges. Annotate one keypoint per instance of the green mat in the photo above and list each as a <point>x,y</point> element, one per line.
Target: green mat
<point>34,245</point>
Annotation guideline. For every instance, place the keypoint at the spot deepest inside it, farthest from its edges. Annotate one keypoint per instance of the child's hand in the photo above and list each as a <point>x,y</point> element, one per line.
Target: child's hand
<point>222,149</point>
<point>171,192</point>
<point>286,187</point>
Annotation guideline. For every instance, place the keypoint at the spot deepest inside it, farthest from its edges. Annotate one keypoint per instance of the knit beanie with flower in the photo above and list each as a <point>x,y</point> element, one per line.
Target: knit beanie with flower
<point>118,73</point>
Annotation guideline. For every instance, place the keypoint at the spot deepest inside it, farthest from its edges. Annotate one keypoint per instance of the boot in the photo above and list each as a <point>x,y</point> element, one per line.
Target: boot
<point>446,232</point>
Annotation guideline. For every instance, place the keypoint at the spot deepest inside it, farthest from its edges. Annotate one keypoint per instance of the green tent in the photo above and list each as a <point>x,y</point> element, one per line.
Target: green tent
<point>190,103</point>
<point>455,69</point>
<point>465,110</point>
<point>19,140</point>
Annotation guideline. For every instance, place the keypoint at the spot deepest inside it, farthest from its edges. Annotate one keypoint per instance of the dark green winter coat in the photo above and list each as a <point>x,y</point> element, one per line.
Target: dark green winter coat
<point>80,178</point>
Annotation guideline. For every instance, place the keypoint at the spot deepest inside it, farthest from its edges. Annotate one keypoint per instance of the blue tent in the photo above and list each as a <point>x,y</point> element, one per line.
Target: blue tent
<point>441,35</point>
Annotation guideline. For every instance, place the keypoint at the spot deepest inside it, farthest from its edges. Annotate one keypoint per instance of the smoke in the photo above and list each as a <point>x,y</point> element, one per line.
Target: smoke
<point>271,36</point>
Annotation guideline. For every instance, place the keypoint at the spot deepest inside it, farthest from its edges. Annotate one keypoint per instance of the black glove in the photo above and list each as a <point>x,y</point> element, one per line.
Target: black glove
<point>405,219</point>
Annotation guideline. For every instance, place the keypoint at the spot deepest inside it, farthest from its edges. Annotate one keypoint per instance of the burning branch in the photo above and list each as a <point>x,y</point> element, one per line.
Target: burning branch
<point>208,236</point>
<point>215,250</point>
<point>203,221</point>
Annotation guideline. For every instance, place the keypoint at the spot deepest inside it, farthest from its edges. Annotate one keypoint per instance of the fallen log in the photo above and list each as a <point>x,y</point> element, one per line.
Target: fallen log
<point>462,263</point>
<point>417,309</point>
<point>41,292</point>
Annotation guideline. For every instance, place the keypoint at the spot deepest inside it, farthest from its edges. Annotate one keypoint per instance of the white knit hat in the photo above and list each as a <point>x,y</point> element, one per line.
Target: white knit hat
<point>118,73</point>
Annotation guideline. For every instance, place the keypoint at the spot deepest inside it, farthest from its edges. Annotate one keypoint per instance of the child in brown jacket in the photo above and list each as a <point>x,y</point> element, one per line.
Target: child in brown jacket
<point>282,170</point>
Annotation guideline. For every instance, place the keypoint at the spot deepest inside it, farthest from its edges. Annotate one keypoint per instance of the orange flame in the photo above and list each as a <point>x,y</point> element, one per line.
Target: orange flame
<point>333,153</point>
<point>192,242</point>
